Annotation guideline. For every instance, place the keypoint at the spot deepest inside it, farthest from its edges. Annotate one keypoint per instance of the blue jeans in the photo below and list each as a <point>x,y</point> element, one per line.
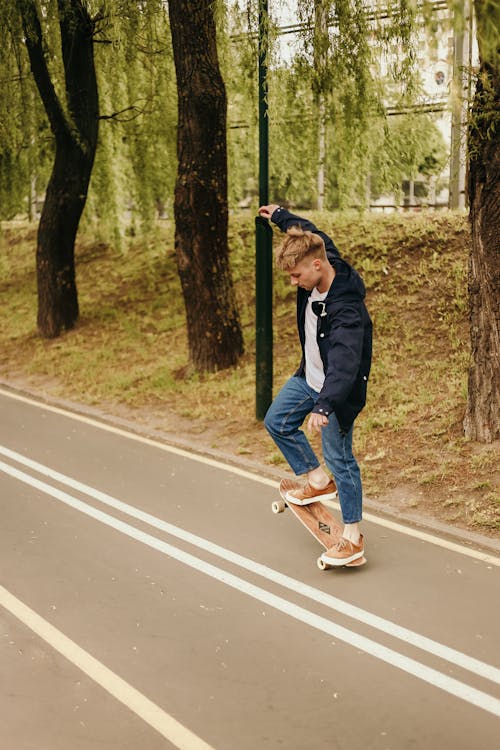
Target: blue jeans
<point>283,422</point>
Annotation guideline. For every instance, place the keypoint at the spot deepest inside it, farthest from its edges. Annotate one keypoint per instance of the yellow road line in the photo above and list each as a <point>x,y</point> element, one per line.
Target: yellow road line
<point>148,711</point>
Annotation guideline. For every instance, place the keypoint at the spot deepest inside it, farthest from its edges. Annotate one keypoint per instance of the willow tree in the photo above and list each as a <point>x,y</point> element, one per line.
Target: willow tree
<point>339,62</point>
<point>49,130</point>
<point>25,142</point>
<point>200,201</point>
<point>134,171</point>
<point>73,117</point>
<point>482,420</point>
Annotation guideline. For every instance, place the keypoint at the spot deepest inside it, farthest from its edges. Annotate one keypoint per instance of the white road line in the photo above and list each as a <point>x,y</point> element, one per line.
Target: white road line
<point>448,684</point>
<point>141,439</point>
<point>400,528</point>
<point>464,661</point>
<point>148,711</point>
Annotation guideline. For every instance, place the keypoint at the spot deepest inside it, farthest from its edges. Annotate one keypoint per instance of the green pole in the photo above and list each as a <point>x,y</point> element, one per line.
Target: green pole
<point>263,108</point>
<point>263,317</point>
<point>263,242</point>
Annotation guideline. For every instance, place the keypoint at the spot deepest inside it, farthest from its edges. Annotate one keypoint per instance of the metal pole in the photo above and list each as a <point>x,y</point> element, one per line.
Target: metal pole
<point>263,105</point>
<point>263,317</point>
<point>460,106</point>
<point>263,242</point>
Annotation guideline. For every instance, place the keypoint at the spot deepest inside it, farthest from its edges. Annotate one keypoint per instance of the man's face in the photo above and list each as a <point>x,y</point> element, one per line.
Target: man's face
<point>306,274</point>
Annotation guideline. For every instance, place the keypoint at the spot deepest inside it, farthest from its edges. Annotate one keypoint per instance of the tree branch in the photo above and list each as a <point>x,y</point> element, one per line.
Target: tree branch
<point>138,111</point>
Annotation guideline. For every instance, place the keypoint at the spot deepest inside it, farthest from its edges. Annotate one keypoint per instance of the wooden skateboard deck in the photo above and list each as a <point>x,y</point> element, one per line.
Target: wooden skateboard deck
<point>317,519</point>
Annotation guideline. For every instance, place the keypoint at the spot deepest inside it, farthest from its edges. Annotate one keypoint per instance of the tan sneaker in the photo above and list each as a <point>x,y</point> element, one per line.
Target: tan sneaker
<point>309,494</point>
<point>344,552</point>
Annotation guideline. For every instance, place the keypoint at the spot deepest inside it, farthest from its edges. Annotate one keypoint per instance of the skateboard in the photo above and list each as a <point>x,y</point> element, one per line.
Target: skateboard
<point>317,519</point>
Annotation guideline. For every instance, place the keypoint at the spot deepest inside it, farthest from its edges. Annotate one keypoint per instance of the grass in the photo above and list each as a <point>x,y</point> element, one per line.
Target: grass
<point>129,356</point>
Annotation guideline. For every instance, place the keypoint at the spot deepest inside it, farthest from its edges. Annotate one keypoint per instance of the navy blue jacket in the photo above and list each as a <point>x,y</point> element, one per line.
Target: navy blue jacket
<point>344,333</point>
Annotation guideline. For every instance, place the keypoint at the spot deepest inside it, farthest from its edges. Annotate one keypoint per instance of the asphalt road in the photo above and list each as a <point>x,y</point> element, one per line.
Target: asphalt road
<point>150,599</point>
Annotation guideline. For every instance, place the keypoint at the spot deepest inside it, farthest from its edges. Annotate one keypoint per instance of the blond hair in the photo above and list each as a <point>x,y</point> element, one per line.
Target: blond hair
<point>297,245</point>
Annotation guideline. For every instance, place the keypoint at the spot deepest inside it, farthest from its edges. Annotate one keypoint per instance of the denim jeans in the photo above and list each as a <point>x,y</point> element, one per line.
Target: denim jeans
<point>283,422</point>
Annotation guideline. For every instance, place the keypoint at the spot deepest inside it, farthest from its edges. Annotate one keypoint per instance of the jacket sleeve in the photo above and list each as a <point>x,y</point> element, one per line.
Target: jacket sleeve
<point>344,357</point>
<point>284,220</point>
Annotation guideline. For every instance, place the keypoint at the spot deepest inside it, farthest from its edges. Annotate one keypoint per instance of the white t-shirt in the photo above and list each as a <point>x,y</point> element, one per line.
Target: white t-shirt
<point>315,376</point>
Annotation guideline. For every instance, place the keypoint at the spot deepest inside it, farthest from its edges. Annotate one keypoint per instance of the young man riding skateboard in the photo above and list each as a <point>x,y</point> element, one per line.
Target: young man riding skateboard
<point>335,333</point>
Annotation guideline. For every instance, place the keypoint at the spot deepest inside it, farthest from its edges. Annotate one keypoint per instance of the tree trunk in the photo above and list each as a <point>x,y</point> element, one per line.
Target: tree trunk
<point>75,136</point>
<point>482,420</point>
<point>55,257</point>
<point>200,205</point>
<point>321,153</point>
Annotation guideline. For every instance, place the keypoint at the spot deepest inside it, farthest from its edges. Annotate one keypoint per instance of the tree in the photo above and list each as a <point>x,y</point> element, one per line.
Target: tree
<point>24,137</point>
<point>200,201</point>
<point>133,175</point>
<point>74,123</point>
<point>406,152</point>
<point>482,420</point>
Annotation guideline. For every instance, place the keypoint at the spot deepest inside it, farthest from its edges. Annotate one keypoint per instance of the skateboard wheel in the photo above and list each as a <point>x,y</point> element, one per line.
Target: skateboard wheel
<point>278,506</point>
<point>322,565</point>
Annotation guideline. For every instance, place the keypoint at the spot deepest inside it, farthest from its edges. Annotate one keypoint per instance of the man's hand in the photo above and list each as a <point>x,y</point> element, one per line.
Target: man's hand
<point>267,211</point>
<point>316,422</point>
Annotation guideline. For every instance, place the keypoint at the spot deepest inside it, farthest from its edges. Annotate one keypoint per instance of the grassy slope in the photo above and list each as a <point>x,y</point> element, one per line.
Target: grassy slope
<point>128,354</point>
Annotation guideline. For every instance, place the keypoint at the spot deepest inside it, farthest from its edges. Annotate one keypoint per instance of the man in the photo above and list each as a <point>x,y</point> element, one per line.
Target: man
<point>330,385</point>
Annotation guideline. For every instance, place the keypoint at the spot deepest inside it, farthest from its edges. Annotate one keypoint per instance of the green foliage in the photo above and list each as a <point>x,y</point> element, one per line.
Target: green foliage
<point>336,63</point>
<point>238,59</point>
<point>349,64</point>
<point>343,69</point>
<point>488,25</point>
<point>405,152</point>
<point>135,163</point>
<point>25,139</point>
<point>484,125</point>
